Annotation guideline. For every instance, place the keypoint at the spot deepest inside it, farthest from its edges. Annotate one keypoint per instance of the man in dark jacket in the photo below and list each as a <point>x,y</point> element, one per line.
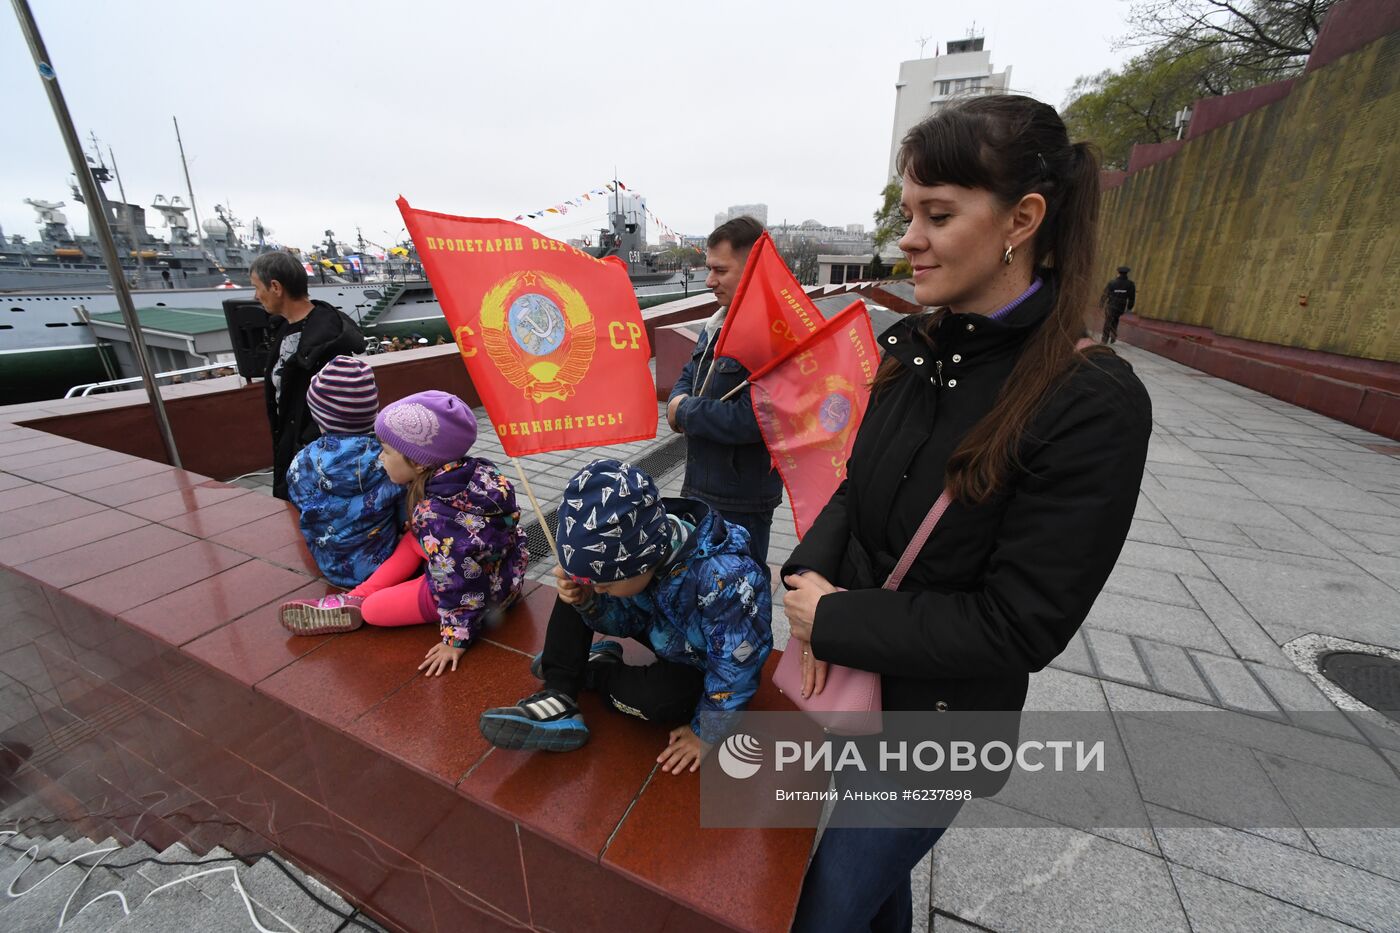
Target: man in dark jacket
<point>306,335</point>
<point>727,464</point>
<point>1119,296</point>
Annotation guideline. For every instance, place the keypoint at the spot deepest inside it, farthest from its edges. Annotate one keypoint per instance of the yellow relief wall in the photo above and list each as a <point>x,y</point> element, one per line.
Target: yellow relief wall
<point>1298,198</point>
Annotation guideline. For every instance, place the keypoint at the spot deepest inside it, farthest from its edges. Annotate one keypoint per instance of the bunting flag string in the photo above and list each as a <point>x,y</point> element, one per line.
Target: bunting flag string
<point>562,207</point>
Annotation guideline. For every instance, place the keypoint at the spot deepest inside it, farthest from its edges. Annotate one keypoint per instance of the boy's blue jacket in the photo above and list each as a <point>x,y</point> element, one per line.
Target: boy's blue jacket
<point>711,607</point>
<point>349,506</point>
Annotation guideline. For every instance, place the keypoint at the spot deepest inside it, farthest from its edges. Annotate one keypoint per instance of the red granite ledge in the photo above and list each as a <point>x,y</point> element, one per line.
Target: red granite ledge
<point>263,535</point>
<point>254,646</point>
<point>91,465</point>
<point>662,845</point>
<point>166,479</point>
<point>168,505</point>
<point>209,521</point>
<point>1312,380</point>
<point>201,607</point>
<point>353,673</point>
<point>17,492</point>
<point>76,564</point>
<point>23,441</point>
<point>62,536</point>
<point>20,463</point>
<point>82,483</point>
<point>452,702</point>
<point>154,577</point>
<point>49,511</point>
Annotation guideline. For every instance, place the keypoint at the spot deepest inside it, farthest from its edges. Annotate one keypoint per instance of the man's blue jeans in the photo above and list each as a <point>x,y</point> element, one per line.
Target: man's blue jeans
<point>859,880</point>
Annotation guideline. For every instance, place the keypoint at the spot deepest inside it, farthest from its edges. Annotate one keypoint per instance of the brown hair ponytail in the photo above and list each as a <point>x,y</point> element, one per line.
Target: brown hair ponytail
<point>1013,146</point>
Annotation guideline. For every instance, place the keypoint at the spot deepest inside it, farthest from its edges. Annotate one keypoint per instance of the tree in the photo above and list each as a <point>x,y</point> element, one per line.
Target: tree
<point>889,223</point>
<point>1138,104</point>
<point>800,254</point>
<point>1192,49</point>
<point>877,268</point>
<point>1257,40</point>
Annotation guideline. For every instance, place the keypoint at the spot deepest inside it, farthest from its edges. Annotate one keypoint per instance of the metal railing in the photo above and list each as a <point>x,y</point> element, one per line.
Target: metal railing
<point>87,388</point>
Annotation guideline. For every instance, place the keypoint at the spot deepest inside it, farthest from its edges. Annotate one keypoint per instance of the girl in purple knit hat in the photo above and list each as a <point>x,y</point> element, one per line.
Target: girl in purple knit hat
<point>463,524</point>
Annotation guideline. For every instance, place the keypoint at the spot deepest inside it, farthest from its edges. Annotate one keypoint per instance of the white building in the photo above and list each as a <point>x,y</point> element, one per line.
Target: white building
<point>926,84</point>
<point>758,212</point>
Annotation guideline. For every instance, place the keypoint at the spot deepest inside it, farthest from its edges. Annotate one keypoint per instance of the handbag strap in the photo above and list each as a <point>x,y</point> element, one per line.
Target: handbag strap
<point>916,544</point>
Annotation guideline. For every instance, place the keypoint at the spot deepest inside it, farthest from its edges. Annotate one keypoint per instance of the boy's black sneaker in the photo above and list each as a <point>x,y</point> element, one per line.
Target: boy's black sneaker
<point>547,721</point>
<point>601,652</point>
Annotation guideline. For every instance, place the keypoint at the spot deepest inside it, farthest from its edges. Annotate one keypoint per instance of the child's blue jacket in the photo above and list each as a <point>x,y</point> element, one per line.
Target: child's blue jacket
<point>349,506</point>
<point>711,607</point>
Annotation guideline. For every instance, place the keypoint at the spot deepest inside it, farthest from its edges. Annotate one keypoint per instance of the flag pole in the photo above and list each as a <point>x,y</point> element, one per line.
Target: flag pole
<point>544,525</point>
<point>734,391</point>
<point>98,221</point>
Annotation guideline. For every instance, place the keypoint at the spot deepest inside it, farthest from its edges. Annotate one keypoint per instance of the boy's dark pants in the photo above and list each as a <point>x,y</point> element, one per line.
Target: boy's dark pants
<point>664,692</point>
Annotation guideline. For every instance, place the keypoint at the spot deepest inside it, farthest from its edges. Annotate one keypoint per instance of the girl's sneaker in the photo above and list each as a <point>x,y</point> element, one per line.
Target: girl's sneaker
<point>325,616</point>
<point>547,721</point>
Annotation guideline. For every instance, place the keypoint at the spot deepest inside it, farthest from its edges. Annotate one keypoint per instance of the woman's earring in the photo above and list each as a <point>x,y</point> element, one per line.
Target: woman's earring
<point>1006,257</point>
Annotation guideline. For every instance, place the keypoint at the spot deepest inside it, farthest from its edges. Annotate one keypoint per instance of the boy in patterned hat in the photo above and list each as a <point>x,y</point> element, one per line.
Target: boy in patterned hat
<point>348,503</point>
<point>671,574</point>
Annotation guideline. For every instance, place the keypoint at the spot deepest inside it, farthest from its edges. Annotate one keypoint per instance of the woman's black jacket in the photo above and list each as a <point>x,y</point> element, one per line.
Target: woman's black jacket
<point>1000,588</point>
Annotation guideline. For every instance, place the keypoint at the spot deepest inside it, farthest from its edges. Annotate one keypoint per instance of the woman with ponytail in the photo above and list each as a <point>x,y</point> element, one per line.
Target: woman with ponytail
<point>991,396</point>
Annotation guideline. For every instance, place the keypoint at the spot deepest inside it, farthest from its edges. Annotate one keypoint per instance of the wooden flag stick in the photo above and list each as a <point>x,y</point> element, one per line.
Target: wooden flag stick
<point>734,391</point>
<point>544,525</point>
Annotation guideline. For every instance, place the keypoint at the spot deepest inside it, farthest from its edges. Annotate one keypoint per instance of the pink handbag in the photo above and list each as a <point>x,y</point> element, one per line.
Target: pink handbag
<point>850,703</point>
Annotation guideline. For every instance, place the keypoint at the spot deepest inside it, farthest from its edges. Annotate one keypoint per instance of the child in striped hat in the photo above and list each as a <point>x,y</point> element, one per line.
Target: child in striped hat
<point>462,562</point>
<point>349,505</point>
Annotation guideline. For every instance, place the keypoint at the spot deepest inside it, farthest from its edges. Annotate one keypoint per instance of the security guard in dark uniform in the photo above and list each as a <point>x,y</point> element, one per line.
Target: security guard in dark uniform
<point>1119,296</point>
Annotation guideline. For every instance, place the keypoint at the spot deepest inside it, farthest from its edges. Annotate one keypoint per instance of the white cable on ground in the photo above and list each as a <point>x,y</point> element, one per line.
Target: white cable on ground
<point>32,855</point>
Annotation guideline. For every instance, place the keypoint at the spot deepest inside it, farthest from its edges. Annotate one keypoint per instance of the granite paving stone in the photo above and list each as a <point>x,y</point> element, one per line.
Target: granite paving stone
<point>1055,881</point>
<point>1255,731</point>
<point>1171,670</point>
<point>1322,531</point>
<point>1075,657</point>
<point>1207,489</point>
<point>1284,873</point>
<point>1177,502</point>
<point>1206,529</point>
<point>1114,656</point>
<point>1233,683</point>
<point>1289,541</point>
<point>1348,819</point>
<point>1157,585</point>
<point>1210,777</point>
<point>1216,905</point>
<point>1178,625</point>
<point>1293,601</point>
<point>1152,532</point>
<point>1330,494</point>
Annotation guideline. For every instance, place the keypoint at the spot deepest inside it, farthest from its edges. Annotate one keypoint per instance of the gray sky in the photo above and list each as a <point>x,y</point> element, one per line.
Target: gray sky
<point>316,116</point>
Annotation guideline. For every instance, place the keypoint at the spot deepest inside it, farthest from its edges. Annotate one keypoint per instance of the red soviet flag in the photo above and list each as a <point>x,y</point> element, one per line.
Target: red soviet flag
<point>808,404</point>
<point>770,313</point>
<point>552,337</point>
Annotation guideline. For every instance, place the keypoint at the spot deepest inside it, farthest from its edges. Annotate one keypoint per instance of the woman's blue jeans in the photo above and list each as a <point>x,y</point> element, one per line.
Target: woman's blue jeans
<point>859,880</point>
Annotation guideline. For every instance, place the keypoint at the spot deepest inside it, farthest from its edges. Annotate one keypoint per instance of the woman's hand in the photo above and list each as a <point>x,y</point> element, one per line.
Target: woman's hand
<point>800,602</point>
<point>571,591</point>
<point>686,748</point>
<point>813,671</point>
<point>438,657</point>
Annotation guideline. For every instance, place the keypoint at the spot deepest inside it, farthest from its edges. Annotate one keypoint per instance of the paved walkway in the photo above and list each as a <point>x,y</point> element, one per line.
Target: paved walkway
<point>1264,534</point>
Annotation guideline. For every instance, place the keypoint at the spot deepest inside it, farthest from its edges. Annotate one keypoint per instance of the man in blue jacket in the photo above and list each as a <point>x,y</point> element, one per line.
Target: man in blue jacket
<point>669,573</point>
<point>727,464</point>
